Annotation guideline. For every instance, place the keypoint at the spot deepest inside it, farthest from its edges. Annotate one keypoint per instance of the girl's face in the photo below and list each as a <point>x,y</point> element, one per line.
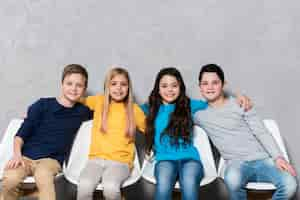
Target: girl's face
<point>211,86</point>
<point>169,89</point>
<point>118,88</point>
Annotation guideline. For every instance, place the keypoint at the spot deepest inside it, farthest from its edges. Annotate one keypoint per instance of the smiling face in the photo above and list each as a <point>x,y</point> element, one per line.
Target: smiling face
<point>118,88</point>
<point>169,89</point>
<point>211,87</point>
<point>73,87</point>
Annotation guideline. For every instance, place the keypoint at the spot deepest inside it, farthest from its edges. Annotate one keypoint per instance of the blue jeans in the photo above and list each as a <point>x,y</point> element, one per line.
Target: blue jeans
<point>239,173</point>
<point>189,172</point>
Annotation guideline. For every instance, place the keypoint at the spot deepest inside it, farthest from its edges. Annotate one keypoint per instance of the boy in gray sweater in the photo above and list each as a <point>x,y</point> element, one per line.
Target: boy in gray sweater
<point>249,149</point>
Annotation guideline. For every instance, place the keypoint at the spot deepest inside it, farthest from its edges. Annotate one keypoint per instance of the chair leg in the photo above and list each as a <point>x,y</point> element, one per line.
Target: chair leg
<point>259,195</point>
<point>30,193</point>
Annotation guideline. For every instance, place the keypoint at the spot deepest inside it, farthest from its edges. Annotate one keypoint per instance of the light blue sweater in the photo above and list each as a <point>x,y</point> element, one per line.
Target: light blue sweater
<point>163,148</point>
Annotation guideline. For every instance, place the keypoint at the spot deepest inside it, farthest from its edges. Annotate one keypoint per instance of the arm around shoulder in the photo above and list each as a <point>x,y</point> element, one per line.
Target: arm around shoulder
<point>140,118</point>
<point>92,101</point>
<point>198,104</point>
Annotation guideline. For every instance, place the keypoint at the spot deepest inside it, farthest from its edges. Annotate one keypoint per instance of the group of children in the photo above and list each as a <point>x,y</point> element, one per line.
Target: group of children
<point>47,133</point>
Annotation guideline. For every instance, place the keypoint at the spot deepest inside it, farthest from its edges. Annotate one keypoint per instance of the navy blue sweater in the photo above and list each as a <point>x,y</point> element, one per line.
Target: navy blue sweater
<point>49,128</point>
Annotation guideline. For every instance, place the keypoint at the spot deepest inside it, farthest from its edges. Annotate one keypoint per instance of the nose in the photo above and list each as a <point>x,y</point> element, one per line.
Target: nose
<point>118,86</point>
<point>74,87</point>
<point>170,89</point>
<point>210,86</point>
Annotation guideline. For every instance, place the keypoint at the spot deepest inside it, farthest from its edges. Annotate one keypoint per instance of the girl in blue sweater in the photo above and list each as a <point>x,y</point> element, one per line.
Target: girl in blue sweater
<point>169,135</point>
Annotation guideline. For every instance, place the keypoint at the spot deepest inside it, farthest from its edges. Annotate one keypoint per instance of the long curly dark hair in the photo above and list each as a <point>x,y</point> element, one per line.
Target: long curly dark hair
<point>180,124</point>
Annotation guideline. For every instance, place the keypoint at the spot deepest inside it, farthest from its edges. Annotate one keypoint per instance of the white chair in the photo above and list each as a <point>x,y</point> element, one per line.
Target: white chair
<point>6,147</point>
<point>79,157</point>
<point>274,130</point>
<point>201,142</point>
<point>6,153</point>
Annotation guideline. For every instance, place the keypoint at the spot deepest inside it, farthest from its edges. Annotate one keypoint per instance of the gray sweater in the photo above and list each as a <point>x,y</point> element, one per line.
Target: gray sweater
<point>238,135</point>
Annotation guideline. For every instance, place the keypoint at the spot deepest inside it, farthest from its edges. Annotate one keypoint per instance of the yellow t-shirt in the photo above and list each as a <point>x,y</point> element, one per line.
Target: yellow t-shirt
<point>113,145</point>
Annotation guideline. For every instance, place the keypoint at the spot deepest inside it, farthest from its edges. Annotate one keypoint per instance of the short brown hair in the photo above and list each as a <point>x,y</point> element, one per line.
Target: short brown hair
<point>75,69</point>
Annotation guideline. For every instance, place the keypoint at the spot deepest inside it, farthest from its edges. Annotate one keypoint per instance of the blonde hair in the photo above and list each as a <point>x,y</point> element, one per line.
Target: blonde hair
<point>128,102</point>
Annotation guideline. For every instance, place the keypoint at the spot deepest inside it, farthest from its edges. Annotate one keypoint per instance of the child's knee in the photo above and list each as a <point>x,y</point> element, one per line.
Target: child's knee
<point>289,185</point>
<point>85,186</point>
<point>11,180</point>
<point>189,182</point>
<point>44,177</point>
<point>111,191</point>
<point>233,179</point>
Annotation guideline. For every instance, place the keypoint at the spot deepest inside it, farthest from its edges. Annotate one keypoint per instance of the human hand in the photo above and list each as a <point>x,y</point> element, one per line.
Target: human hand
<point>282,164</point>
<point>15,162</point>
<point>244,102</point>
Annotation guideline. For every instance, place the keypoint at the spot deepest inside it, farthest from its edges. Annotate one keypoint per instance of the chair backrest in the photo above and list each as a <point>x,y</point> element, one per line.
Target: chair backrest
<point>79,153</point>
<point>79,157</point>
<point>201,142</point>
<point>272,127</point>
<point>6,145</point>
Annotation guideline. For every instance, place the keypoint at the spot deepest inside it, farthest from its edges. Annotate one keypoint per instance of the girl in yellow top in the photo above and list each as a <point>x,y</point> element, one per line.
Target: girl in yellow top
<point>111,154</point>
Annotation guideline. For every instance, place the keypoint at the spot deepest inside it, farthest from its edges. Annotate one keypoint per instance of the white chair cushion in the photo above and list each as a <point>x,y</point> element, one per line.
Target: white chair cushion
<point>260,186</point>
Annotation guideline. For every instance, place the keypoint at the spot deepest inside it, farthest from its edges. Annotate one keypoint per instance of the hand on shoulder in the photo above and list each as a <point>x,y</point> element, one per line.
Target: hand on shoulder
<point>244,102</point>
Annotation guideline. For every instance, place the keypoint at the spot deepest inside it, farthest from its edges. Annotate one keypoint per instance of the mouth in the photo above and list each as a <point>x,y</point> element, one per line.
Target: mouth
<point>170,95</point>
<point>118,94</point>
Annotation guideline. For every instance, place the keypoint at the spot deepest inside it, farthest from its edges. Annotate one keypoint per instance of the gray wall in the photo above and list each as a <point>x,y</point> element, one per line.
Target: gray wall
<point>257,43</point>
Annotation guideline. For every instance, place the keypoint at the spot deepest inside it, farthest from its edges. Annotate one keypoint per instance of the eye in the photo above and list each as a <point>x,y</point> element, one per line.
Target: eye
<point>163,85</point>
<point>80,85</point>
<point>215,82</point>
<point>175,85</point>
<point>68,83</point>
<point>124,84</point>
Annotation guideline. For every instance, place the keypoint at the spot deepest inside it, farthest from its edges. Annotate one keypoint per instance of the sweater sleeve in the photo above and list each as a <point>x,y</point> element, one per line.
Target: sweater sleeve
<point>197,105</point>
<point>145,108</point>
<point>262,134</point>
<point>91,101</point>
<point>34,114</point>
<point>140,118</point>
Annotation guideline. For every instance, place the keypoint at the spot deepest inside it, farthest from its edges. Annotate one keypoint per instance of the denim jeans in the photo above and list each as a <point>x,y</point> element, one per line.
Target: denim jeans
<point>239,173</point>
<point>189,172</point>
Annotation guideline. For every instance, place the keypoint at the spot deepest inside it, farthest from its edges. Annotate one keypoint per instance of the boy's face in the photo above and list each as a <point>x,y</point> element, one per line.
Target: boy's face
<point>73,87</point>
<point>211,86</point>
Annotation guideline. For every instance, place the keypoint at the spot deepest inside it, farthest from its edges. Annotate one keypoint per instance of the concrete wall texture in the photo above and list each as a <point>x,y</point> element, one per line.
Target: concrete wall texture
<point>256,42</point>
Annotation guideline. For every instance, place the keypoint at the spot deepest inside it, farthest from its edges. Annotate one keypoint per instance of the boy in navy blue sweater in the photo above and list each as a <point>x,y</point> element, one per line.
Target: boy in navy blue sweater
<point>46,136</point>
